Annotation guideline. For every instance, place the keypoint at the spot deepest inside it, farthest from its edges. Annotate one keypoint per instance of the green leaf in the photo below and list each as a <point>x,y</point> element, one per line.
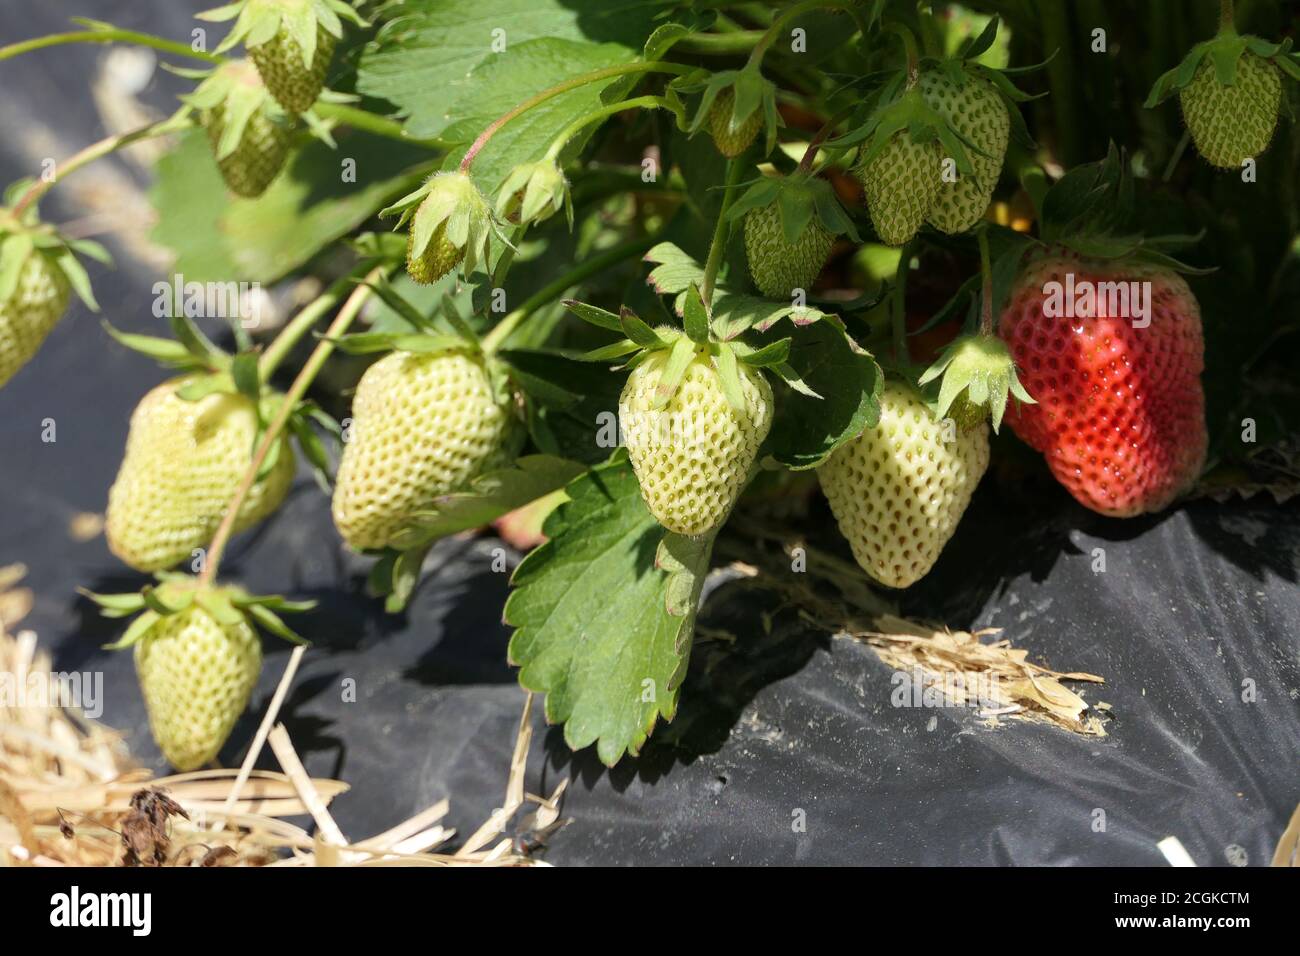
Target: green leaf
<point>434,53</point>
<point>218,237</point>
<point>555,379</point>
<point>605,613</point>
<point>806,429</point>
<point>403,577</point>
<point>270,621</point>
<point>488,498</point>
<point>596,316</point>
<point>696,315</point>
<point>136,631</point>
<point>502,82</point>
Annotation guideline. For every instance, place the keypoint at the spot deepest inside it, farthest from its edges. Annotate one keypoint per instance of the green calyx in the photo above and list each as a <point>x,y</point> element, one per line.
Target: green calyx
<point>905,110</point>
<point>534,192</point>
<point>259,21</point>
<point>800,197</point>
<point>207,370</point>
<point>175,593</point>
<point>749,93</point>
<point>964,67</point>
<point>443,330</point>
<point>235,89</point>
<point>448,213</point>
<point>978,373</point>
<point>1225,51</point>
<point>685,346</point>
<point>23,236</point>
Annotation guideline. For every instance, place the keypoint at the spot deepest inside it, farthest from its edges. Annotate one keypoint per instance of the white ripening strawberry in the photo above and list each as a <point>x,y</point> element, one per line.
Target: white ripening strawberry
<point>423,425</point>
<point>183,462</point>
<point>898,490</point>
<point>692,455</point>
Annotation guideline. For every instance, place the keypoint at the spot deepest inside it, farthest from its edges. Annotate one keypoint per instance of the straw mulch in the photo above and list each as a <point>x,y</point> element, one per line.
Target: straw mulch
<point>70,794</point>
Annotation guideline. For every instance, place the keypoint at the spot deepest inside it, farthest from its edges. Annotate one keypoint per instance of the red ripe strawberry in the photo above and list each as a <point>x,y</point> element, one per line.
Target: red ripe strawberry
<point>1120,414</point>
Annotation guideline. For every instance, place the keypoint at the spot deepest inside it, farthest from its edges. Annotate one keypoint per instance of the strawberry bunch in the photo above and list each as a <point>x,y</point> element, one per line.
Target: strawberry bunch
<point>933,142</point>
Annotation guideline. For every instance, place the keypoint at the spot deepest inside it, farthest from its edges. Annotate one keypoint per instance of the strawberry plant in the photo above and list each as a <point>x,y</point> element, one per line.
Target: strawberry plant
<point>847,239</point>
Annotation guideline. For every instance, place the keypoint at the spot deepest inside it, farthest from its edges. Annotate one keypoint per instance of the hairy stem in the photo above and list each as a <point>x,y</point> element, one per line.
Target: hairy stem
<point>582,122</point>
<point>370,123</point>
<point>351,309</point>
<point>900,305</point>
<point>799,9</point>
<point>805,164</point>
<point>609,72</point>
<point>1227,17</point>
<point>108,34</point>
<point>905,34</point>
<point>721,232</point>
<point>493,341</point>
<point>1176,155</point>
<point>986,270</point>
<point>302,323</point>
<point>177,121</point>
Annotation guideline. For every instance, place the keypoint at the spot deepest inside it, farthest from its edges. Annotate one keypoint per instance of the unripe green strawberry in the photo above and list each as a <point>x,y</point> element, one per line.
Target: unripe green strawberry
<point>901,183</point>
<point>976,111</point>
<point>423,426</point>
<point>732,142</point>
<point>692,456</point>
<point>450,223</point>
<point>779,267</point>
<point>259,156</point>
<point>183,462</point>
<point>27,316</point>
<point>898,490</point>
<point>1231,124</point>
<point>196,675</point>
<point>294,84</point>
<point>439,257</point>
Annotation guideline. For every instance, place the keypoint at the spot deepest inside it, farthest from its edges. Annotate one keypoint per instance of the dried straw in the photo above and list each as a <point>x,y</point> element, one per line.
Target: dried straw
<point>70,794</point>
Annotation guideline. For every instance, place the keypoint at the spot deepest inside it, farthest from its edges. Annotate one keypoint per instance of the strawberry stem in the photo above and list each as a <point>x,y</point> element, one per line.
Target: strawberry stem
<point>596,264</point>
<point>799,9</point>
<point>351,309</point>
<point>595,76</point>
<point>578,125</point>
<point>905,34</point>
<point>986,291</point>
<point>106,33</point>
<point>370,123</point>
<point>1227,17</point>
<point>721,232</point>
<point>302,323</point>
<point>899,304</point>
<point>805,164</point>
<point>177,121</point>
